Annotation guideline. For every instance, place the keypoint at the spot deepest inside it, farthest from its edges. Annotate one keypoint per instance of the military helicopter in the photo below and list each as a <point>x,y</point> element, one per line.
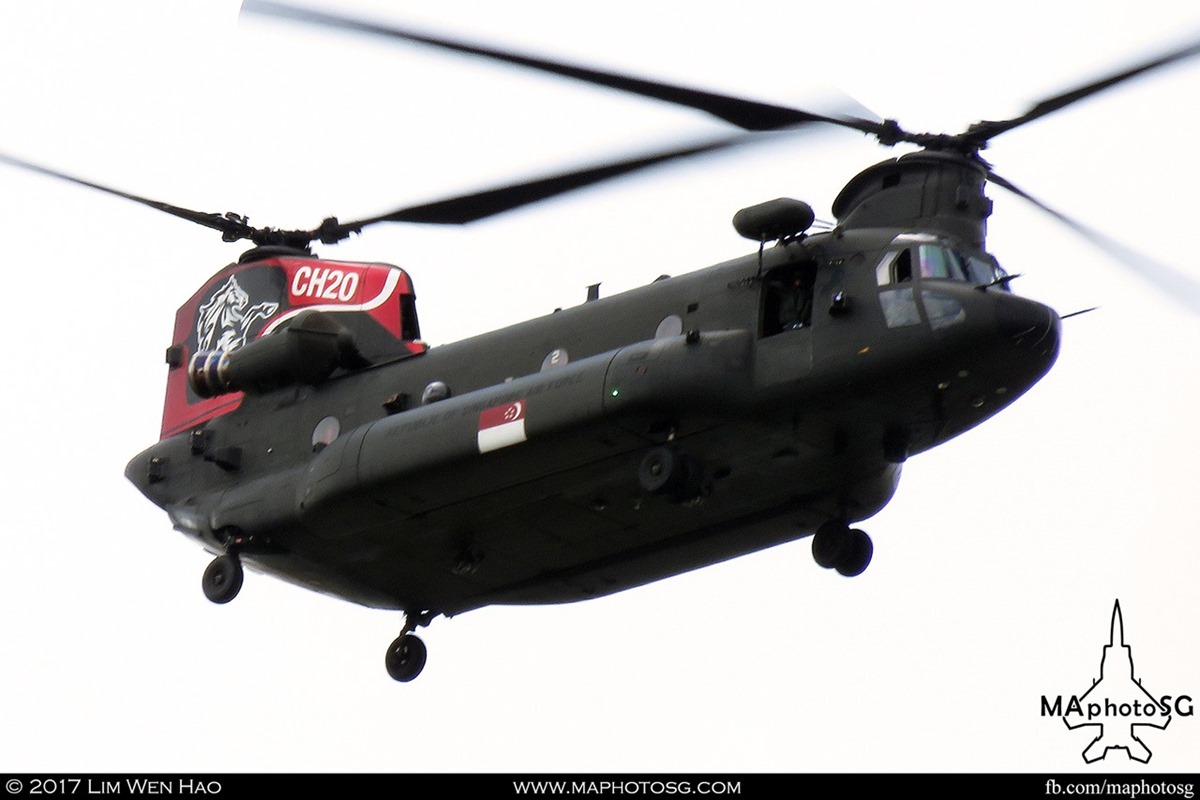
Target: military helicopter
<point>310,433</point>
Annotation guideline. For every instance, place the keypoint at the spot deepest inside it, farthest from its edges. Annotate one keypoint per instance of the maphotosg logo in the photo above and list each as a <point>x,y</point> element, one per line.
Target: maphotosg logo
<point>1117,705</point>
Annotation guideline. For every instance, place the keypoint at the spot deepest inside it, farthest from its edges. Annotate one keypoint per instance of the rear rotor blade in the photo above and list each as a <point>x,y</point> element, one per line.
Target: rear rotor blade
<point>1181,287</point>
<point>231,226</point>
<point>750,115</point>
<point>449,211</point>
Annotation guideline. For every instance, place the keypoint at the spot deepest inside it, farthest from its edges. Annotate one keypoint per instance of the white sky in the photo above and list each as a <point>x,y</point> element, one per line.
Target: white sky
<point>996,565</point>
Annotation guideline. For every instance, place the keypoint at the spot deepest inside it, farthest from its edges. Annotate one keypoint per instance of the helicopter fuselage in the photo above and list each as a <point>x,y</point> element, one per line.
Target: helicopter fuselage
<point>504,468</point>
<point>309,431</point>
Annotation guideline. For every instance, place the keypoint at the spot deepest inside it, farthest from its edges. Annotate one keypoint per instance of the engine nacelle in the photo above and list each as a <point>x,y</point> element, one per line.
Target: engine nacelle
<point>305,352</point>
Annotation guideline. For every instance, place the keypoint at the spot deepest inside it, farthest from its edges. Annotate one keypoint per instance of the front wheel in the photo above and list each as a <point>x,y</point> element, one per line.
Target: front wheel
<point>661,471</point>
<point>856,556</point>
<point>223,579</point>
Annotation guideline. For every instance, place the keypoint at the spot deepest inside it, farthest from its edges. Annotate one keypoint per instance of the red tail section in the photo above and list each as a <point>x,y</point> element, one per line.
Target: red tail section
<point>247,300</point>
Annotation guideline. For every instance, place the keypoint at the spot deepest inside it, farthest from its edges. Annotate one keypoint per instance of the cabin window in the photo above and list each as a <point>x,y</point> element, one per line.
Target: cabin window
<point>555,358</point>
<point>435,392</point>
<point>788,298</point>
<point>668,327</point>
<point>326,431</point>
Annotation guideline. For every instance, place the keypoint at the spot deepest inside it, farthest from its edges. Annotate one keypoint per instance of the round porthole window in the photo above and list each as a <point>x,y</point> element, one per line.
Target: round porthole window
<point>434,392</point>
<point>670,326</point>
<point>555,358</point>
<point>326,431</point>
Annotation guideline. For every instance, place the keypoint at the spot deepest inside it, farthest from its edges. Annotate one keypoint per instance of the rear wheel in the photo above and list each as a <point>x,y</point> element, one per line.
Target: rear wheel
<point>856,556</point>
<point>405,658</point>
<point>828,543</point>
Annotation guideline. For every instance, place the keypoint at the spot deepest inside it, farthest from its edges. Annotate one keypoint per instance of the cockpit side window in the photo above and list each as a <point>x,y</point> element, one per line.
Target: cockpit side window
<point>935,262</point>
<point>895,267</point>
<point>985,271</point>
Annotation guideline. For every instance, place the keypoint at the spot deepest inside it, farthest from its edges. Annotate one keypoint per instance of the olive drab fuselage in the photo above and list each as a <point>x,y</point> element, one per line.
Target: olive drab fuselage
<point>309,431</point>
<point>339,452</point>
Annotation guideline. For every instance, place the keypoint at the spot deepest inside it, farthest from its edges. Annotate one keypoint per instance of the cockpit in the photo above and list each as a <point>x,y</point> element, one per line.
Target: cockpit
<point>919,255</point>
<point>909,273</point>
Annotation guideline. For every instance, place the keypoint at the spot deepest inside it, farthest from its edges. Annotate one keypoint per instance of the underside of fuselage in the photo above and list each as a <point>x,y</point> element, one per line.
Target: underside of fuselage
<point>527,534</point>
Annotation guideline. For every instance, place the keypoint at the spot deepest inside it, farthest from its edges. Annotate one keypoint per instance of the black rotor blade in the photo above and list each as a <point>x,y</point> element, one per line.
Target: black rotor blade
<point>981,132</point>
<point>1181,287</point>
<point>450,211</point>
<point>230,227</point>
<point>489,202</point>
<point>750,115</point>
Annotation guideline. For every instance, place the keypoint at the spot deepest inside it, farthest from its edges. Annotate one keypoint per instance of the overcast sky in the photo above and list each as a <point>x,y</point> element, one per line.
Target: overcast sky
<point>996,565</point>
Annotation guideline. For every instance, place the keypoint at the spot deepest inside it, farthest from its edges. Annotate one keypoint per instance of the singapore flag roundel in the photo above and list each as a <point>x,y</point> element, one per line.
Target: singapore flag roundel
<point>501,426</point>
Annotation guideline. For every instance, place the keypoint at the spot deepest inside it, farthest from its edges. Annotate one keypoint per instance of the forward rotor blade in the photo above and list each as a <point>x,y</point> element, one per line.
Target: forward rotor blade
<point>489,202</point>
<point>1179,286</point>
<point>231,229</point>
<point>981,132</point>
<point>750,115</point>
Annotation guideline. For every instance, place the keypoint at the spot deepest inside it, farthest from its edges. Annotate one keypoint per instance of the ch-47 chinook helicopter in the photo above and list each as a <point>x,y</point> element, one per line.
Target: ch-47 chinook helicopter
<point>310,433</point>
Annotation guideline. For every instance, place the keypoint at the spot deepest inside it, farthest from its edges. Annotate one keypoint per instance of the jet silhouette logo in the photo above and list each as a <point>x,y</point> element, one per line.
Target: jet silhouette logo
<point>1117,705</point>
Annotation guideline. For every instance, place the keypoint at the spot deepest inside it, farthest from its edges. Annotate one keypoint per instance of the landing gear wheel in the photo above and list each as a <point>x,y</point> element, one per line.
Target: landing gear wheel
<point>223,579</point>
<point>405,658</point>
<point>828,543</point>
<point>678,477</point>
<point>661,471</point>
<point>856,554</point>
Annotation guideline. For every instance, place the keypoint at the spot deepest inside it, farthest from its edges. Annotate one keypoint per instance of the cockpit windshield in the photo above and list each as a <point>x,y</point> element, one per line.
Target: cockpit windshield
<point>916,256</point>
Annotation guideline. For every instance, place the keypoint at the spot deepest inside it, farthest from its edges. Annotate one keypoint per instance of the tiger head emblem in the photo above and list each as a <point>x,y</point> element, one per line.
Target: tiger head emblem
<point>223,323</point>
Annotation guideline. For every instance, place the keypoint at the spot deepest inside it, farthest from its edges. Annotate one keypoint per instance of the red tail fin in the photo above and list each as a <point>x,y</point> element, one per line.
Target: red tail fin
<point>255,297</point>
